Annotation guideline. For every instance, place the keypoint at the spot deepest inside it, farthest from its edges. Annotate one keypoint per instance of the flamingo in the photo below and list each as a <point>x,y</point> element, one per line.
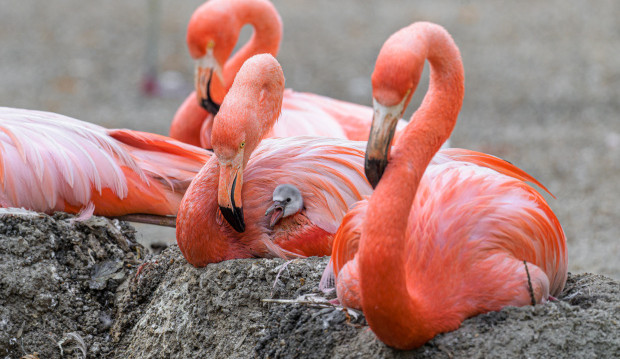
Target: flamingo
<point>477,238</point>
<point>245,172</point>
<point>212,33</point>
<point>50,162</point>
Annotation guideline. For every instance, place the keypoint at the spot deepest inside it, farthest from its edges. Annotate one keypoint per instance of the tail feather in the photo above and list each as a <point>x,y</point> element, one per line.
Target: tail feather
<point>159,143</point>
<point>165,160</point>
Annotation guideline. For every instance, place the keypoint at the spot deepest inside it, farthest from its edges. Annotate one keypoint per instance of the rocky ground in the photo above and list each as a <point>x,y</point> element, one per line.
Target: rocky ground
<point>84,289</point>
<point>58,282</point>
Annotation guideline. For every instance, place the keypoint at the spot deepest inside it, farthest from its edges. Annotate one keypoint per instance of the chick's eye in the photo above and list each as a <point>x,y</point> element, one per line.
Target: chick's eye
<point>288,200</point>
<point>242,144</point>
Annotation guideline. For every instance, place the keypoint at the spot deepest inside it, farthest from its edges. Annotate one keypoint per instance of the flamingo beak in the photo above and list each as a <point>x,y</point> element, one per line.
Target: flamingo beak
<point>277,211</point>
<point>229,195</point>
<point>382,131</point>
<point>206,66</point>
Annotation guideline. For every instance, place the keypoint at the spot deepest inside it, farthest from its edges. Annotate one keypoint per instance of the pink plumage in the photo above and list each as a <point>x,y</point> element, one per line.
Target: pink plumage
<point>328,172</point>
<point>448,235</point>
<point>51,162</point>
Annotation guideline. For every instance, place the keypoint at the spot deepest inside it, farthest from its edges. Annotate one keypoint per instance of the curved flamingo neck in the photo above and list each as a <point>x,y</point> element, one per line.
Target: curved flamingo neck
<point>269,106</point>
<point>251,108</point>
<point>266,38</point>
<point>392,307</point>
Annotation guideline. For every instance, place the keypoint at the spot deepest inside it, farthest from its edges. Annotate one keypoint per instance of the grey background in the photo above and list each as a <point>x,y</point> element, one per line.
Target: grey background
<point>542,82</point>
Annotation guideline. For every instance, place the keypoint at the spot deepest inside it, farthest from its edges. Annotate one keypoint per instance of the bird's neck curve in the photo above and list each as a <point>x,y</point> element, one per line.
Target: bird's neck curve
<point>393,308</point>
<point>266,38</point>
<point>250,109</point>
<point>267,97</point>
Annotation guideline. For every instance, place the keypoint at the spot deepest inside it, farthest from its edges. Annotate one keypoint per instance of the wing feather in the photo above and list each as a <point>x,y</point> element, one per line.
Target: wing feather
<point>485,160</point>
<point>49,161</point>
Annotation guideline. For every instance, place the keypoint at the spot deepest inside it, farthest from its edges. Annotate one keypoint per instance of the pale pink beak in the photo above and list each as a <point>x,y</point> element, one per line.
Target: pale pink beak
<point>277,211</point>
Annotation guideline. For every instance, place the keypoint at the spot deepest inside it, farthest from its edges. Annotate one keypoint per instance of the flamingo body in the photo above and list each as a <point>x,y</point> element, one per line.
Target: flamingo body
<point>192,123</point>
<point>51,162</point>
<point>448,235</point>
<point>478,216</point>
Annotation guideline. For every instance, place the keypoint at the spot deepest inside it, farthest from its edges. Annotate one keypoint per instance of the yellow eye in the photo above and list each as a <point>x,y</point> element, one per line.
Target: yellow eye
<point>210,44</point>
<point>242,144</point>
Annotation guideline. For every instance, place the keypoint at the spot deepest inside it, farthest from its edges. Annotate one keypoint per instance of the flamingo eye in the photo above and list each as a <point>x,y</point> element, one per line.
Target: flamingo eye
<point>210,44</point>
<point>242,144</point>
<point>288,200</point>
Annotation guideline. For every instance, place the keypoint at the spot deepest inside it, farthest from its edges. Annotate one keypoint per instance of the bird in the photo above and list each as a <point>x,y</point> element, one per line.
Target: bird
<point>51,162</point>
<point>287,201</point>
<point>436,244</point>
<point>212,33</point>
<point>222,215</point>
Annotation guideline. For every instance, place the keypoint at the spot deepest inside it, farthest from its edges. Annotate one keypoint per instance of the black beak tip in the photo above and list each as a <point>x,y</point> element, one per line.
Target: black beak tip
<point>234,217</point>
<point>374,170</point>
<point>210,106</point>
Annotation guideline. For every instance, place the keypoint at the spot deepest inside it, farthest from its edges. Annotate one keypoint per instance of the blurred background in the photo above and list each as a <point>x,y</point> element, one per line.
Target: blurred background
<point>542,81</point>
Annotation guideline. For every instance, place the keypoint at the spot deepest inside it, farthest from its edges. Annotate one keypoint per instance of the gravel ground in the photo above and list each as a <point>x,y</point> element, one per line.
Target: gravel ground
<point>542,88</point>
<point>85,290</point>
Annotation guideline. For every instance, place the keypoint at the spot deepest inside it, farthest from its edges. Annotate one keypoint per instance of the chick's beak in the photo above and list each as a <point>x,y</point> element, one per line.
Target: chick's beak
<point>277,211</point>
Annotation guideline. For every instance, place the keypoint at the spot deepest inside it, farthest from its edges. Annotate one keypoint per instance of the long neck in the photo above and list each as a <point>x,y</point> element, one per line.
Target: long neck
<point>251,107</point>
<point>268,104</point>
<point>395,313</point>
<point>266,37</point>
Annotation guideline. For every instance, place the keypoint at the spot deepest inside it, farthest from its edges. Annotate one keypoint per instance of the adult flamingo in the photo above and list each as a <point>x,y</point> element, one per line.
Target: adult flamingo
<point>50,162</point>
<point>327,172</point>
<point>212,33</point>
<point>475,240</point>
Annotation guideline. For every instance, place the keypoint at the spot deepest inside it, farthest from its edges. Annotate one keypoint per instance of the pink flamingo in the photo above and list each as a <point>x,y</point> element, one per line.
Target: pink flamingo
<point>476,238</point>
<point>245,172</point>
<point>50,162</point>
<point>212,33</point>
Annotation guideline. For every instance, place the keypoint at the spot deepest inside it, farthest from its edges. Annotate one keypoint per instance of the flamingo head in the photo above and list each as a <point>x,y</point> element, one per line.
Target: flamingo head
<point>211,40</point>
<point>212,34</point>
<point>287,200</point>
<point>382,129</point>
<point>397,72</point>
<point>248,113</point>
<point>229,142</point>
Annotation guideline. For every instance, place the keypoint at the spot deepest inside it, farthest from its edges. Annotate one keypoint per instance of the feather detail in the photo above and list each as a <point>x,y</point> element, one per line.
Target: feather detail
<point>67,165</point>
<point>485,160</point>
<point>85,213</point>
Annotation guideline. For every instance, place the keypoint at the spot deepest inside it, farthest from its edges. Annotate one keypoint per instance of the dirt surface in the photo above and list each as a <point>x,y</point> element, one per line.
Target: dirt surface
<point>58,280</point>
<point>77,289</point>
<point>221,309</point>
